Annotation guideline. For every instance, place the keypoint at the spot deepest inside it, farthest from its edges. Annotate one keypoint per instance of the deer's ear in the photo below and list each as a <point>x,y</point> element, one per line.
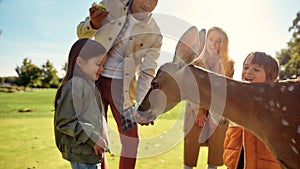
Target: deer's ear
<point>187,48</point>
<point>202,38</point>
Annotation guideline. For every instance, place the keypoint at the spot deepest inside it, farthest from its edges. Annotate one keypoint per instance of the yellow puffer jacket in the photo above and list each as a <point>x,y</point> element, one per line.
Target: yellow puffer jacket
<point>257,155</point>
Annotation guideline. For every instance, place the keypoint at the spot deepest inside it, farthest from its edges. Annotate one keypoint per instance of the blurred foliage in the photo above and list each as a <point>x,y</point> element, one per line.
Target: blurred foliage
<point>49,75</point>
<point>30,75</point>
<point>289,58</point>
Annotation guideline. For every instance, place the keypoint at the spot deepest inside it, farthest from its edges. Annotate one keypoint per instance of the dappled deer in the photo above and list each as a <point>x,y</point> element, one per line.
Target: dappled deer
<point>269,110</point>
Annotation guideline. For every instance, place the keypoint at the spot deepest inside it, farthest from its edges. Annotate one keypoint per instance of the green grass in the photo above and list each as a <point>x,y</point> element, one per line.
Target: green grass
<point>27,139</point>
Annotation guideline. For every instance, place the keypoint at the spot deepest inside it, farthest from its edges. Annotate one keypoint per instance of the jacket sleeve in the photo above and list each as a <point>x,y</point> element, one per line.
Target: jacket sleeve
<point>147,69</point>
<point>85,29</point>
<point>76,116</point>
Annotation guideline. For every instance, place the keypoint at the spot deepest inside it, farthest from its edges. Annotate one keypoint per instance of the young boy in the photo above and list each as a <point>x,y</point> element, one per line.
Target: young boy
<point>242,149</point>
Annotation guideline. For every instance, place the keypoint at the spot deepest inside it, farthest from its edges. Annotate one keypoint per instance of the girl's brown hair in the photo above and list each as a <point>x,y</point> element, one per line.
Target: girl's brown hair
<point>86,49</point>
<point>269,64</point>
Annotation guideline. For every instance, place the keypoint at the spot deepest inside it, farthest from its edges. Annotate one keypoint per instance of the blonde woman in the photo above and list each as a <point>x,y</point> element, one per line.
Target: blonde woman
<point>198,125</point>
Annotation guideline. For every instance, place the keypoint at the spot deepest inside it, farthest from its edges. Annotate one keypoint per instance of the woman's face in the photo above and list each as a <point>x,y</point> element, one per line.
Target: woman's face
<point>253,72</point>
<point>215,39</point>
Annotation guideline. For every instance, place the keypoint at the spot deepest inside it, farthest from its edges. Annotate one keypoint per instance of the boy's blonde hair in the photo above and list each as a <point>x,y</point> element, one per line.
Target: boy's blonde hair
<point>269,64</point>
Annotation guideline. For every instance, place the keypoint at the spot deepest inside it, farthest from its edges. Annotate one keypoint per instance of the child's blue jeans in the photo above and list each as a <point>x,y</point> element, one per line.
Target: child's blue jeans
<point>76,165</point>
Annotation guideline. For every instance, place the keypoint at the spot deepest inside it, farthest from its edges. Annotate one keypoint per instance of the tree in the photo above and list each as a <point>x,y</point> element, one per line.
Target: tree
<point>28,74</point>
<point>289,58</point>
<point>64,69</point>
<point>49,75</point>
<point>10,80</point>
<point>2,80</point>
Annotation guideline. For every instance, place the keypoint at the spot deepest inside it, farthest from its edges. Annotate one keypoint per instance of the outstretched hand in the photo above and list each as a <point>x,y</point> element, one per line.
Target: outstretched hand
<point>142,120</point>
<point>97,16</point>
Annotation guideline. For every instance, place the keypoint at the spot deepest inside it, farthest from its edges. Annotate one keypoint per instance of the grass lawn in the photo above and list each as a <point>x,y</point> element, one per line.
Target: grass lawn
<point>27,139</point>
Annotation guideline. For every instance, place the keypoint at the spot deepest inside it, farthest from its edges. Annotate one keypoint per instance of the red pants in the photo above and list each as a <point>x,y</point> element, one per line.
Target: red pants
<point>111,93</point>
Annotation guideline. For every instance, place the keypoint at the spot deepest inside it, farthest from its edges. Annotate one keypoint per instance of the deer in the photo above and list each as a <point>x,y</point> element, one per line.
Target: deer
<point>270,110</point>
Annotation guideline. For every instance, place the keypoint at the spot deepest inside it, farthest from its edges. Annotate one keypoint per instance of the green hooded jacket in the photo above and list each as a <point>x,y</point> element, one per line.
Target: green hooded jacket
<point>79,121</point>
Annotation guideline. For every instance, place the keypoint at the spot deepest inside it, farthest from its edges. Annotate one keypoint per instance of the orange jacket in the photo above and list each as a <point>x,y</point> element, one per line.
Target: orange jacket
<point>257,155</point>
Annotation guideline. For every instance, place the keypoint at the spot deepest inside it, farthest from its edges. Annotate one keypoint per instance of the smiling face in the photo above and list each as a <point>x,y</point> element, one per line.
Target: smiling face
<point>141,8</point>
<point>253,72</point>
<point>92,67</point>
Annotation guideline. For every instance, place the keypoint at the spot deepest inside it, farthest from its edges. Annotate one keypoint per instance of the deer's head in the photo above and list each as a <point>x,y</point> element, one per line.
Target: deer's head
<point>168,87</point>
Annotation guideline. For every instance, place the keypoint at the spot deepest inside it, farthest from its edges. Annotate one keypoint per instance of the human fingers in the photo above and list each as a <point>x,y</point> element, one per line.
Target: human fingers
<point>98,150</point>
<point>202,123</point>
<point>101,143</point>
<point>98,17</point>
<point>92,10</point>
<point>99,14</point>
<point>141,120</point>
<point>200,120</point>
<point>137,116</point>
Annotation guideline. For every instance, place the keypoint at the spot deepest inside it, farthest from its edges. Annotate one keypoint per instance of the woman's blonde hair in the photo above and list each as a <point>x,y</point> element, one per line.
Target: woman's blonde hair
<point>225,59</point>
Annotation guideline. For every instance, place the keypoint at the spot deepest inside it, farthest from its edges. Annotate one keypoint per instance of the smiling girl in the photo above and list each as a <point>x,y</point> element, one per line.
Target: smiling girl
<point>79,125</point>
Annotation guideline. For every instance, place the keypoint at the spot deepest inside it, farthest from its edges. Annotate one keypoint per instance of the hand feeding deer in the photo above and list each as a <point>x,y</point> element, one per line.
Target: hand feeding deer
<point>269,110</point>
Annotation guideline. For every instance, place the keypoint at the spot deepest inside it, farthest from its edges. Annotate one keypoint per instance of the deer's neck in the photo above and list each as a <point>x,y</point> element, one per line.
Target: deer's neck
<point>269,110</point>
<point>247,104</point>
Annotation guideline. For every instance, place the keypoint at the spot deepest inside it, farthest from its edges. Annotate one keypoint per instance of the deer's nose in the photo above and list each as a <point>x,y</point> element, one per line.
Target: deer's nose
<point>154,85</point>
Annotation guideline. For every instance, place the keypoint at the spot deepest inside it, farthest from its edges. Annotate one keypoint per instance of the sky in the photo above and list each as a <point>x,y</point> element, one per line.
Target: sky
<point>45,30</point>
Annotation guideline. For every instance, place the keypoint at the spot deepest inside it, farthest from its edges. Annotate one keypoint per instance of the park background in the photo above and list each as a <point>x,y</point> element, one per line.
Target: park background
<point>45,30</point>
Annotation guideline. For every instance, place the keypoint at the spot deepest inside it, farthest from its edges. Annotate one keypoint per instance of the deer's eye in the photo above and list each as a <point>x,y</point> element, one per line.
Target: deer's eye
<point>154,85</point>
